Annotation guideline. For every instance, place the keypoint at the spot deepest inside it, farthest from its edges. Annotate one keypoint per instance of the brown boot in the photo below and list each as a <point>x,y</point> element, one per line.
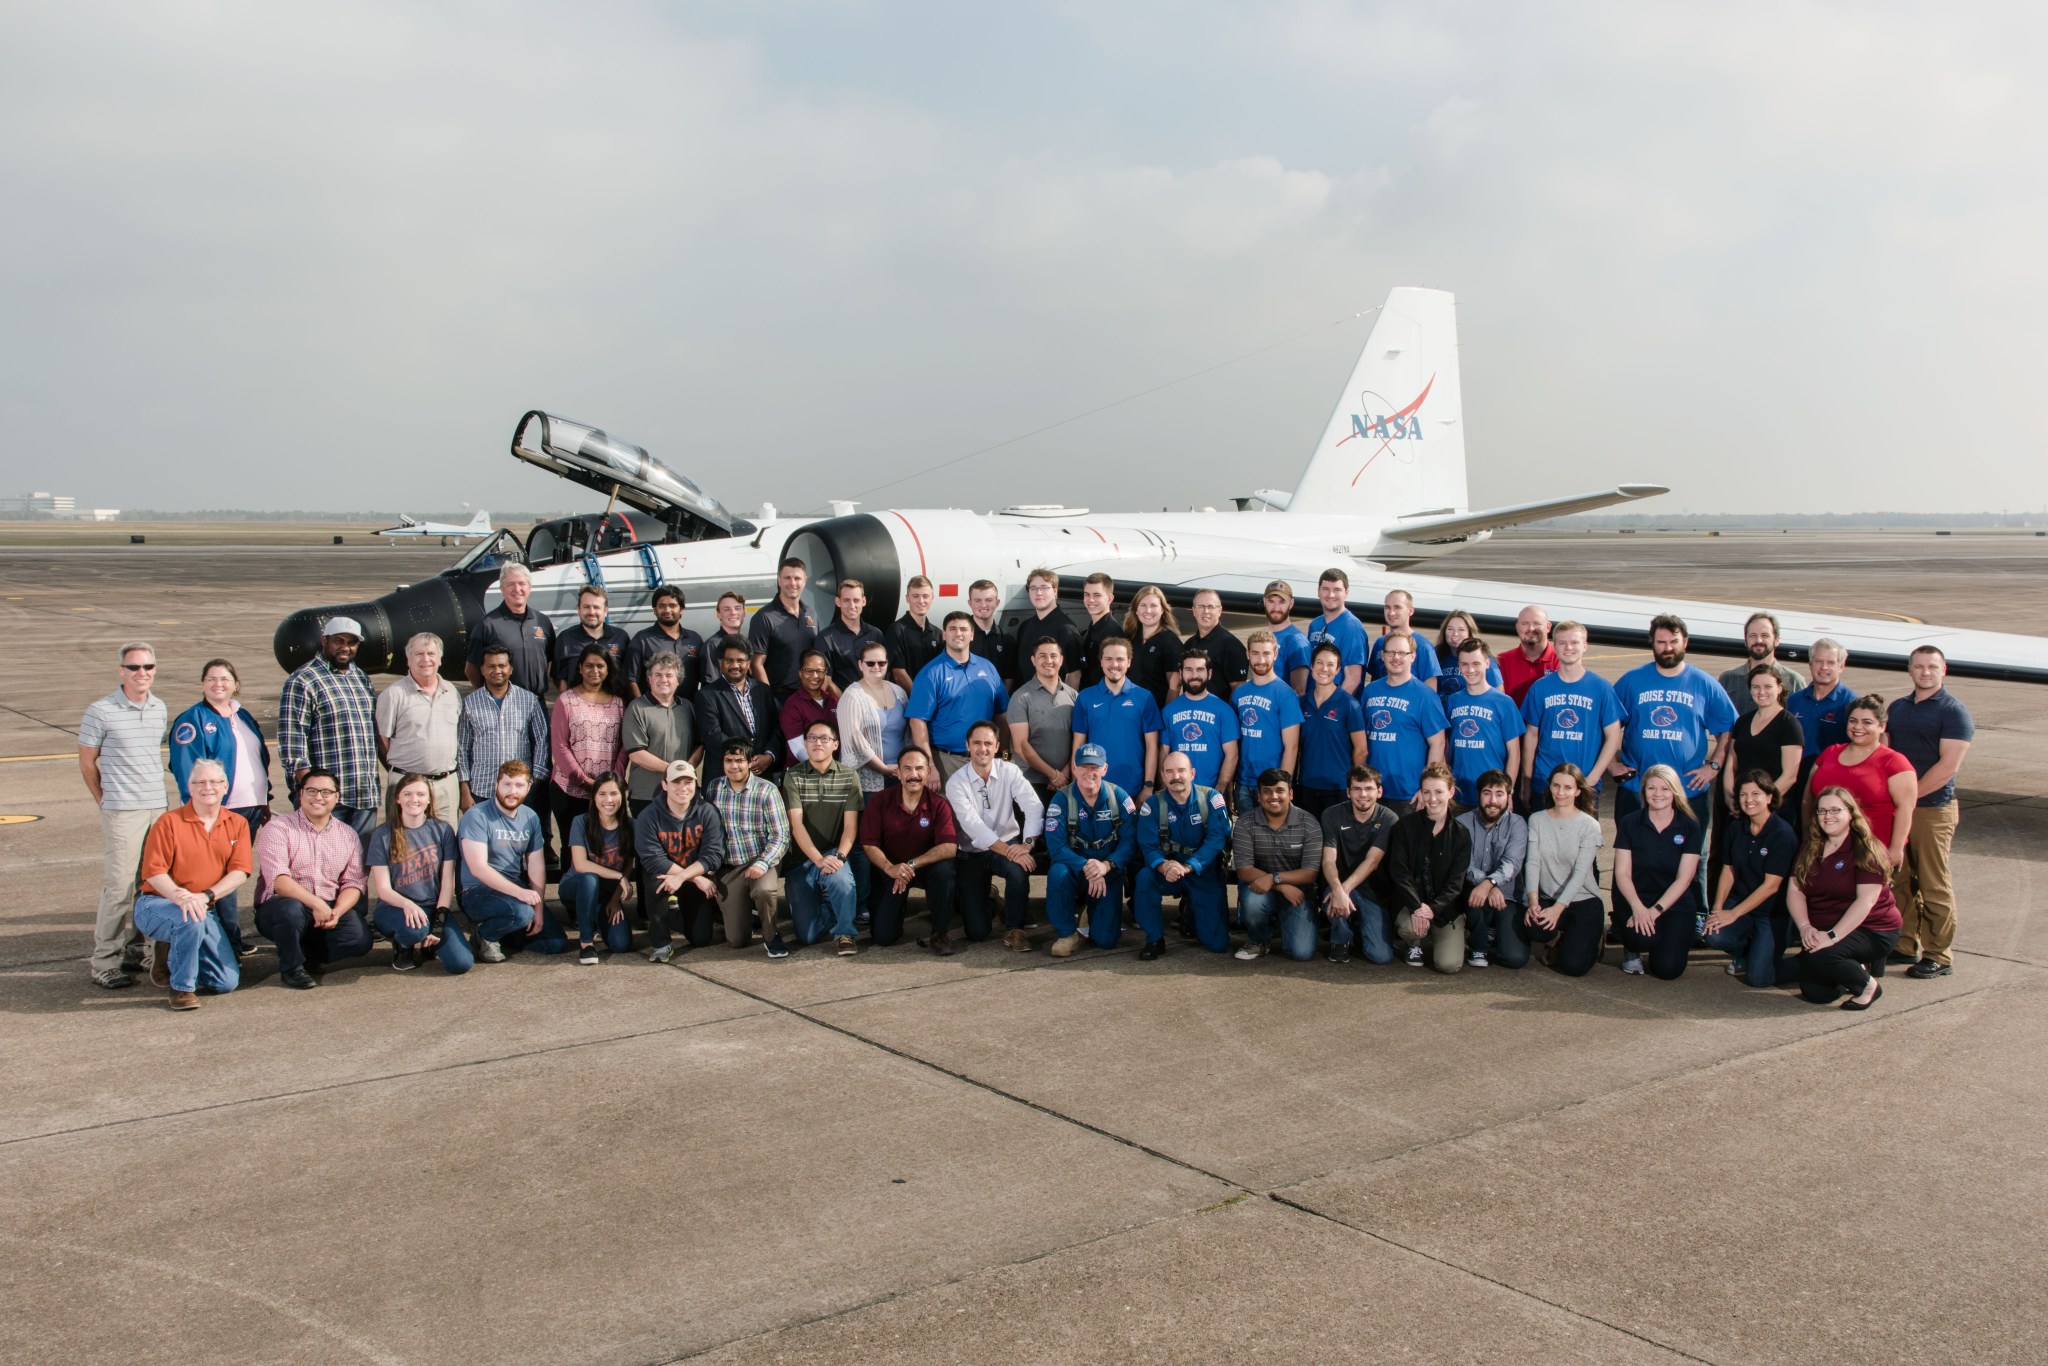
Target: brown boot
<point>159,963</point>
<point>184,1000</point>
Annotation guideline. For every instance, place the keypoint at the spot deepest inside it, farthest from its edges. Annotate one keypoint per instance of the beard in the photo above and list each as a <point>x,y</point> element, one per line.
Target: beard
<point>1669,658</point>
<point>1760,653</point>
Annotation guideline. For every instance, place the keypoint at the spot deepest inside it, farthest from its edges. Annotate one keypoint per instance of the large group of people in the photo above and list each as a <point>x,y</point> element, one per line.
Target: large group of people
<point>1310,789</point>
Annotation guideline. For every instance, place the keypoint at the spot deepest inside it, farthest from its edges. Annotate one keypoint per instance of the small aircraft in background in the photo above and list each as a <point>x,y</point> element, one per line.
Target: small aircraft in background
<point>479,526</point>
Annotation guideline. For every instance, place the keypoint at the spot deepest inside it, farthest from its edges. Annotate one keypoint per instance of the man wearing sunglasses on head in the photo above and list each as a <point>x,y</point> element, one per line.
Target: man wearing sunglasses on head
<point>120,756</point>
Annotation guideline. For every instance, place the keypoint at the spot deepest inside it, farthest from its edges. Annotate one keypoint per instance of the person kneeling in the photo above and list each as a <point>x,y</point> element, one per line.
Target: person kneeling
<point>1181,834</point>
<point>192,859</point>
<point>1278,853</point>
<point>504,864</point>
<point>910,841</point>
<point>411,862</point>
<point>680,841</point>
<point>1427,855</point>
<point>1563,887</point>
<point>1657,851</point>
<point>1841,899</point>
<point>599,847</point>
<point>1758,851</point>
<point>1500,850</point>
<point>309,896</point>
<point>1090,842</point>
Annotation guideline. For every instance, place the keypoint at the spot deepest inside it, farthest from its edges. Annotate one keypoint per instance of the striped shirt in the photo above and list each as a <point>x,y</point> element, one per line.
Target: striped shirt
<point>494,730</point>
<point>130,739</point>
<point>1296,845</point>
<point>327,718</point>
<point>756,825</point>
<point>824,799</point>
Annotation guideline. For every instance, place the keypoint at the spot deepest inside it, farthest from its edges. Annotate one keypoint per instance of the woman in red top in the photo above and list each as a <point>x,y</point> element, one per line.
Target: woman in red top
<point>1879,777</point>
<point>1841,899</point>
<point>807,706</point>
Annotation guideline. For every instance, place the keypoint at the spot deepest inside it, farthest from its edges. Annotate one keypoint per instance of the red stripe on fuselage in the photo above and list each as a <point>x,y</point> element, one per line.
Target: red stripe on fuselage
<point>914,540</point>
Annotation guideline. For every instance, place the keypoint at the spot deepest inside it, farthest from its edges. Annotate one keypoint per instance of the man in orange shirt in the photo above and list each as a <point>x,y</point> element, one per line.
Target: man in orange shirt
<point>193,858</point>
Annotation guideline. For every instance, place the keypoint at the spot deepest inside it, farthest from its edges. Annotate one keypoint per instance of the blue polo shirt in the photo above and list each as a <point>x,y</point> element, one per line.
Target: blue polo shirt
<point>949,697</point>
<point>1823,721</point>
<point>1347,633</point>
<point>1293,651</point>
<point>1425,659</point>
<point>1119,722</point>
<point>1398,724</point>
<point>1264,711</point>
<point>1670,720</point>
<point>1571,721</point>
<point>1326,731</point>
<point>1482,728</point>
<point>1199,728</point>
<point>1916,730</point>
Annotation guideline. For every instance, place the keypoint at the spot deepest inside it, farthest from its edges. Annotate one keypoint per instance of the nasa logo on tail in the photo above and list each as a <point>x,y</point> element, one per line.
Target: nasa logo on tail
<point>1375,423</point>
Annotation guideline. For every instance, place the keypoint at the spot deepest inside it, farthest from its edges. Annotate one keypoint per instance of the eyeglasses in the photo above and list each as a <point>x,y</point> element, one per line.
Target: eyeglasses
<point>139,668</point>
<point>320,792</point>
<point>874,663</point>
<point>208,782</point>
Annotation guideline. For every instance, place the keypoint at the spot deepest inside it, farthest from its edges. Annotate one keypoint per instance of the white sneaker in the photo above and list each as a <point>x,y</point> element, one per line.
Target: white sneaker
<point>1415,955</point>
<point>1632,964</point>
<point>1475,959</point>
<point>487,951</point>
<point>662,954</point>
<point>1252,952</point>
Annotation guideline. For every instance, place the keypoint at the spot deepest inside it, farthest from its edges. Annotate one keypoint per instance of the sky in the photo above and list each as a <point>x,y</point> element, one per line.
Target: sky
<point>1780,257</point>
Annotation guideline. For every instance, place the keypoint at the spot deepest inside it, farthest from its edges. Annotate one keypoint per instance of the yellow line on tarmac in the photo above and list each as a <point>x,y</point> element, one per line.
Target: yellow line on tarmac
<point>33,758</point>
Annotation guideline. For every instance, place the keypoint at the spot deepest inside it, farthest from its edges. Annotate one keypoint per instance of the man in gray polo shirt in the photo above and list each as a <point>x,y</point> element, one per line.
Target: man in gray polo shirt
<point>1041,718</point>
<point>120,756</point>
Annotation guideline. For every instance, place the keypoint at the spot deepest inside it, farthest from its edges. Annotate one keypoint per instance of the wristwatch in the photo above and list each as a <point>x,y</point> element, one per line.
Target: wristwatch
<point>211,900</point>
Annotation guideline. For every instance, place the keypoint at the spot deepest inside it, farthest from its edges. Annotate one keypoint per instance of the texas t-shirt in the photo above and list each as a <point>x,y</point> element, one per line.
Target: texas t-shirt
<point>507,840</point>
<point>417,876</point>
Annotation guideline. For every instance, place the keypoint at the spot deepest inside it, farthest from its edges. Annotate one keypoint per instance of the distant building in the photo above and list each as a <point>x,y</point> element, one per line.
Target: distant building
<point>54,505</point>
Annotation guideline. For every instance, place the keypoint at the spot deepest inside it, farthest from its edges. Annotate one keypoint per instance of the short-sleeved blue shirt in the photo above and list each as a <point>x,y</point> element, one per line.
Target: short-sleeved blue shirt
<point>1199,728</point>
<point>507,840</point>
<point>1670,720</point>
<point>1264,710</point>
<point>1293,651</point>
<point>1916,730</point>
<point>417,876</point>
<point>1571,721</point>
<point>1482,728</point>
<point>1326,731</point>
<point>1347,633</point>
<point>949,697</point>
<point>1823,721</point>
<point>1425,659</point>
<point>1119,722</point>
<point>1399,720</point>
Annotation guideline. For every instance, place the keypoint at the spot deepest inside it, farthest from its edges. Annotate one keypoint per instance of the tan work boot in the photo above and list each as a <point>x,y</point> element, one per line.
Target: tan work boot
<point>1064,946</point>
<point>184,1000</point>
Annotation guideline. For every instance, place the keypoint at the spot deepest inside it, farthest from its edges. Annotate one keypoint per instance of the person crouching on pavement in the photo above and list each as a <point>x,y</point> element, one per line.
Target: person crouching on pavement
<point>192,859</point>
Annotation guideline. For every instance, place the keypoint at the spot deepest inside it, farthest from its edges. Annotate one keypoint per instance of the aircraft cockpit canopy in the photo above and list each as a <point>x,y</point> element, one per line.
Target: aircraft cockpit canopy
<point>586,455</point>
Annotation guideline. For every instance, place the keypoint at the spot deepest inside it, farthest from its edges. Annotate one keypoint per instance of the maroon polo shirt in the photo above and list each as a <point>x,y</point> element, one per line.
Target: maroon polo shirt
<point>901,834</point>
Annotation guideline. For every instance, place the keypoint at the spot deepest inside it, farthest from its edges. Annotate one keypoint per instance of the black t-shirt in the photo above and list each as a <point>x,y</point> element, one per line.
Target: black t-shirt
<point>1753,857</point>
<point>530,636</point>
<point>911,646</point>
<point>1765,751</point>
<point>1056,626</point>
<point>1654,856</point>
<point>1228,665</point>
<point>783,636</point>
<point>688,647</point>
<point>842,649</point>
<point>1109,628</point>
<point>1152,660</point>
<point>998,648</point>
<point>570,645</point>
<point>1353,839</point>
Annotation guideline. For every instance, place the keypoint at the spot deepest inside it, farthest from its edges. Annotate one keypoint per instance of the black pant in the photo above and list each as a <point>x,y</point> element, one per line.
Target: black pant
<point>887,905</point>
<point>1577,937</point>
<point>289,925</point>
<point>697,913</point>
<point>1317,800</point>
<point>977,914</point>
<point>565,810</point>
<point>539,799</point>
<point>1664,951</point>
<point>1844,966</point>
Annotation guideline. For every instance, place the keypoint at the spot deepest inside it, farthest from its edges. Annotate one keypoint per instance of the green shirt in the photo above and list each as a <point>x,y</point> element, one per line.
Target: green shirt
<point>825,799</point>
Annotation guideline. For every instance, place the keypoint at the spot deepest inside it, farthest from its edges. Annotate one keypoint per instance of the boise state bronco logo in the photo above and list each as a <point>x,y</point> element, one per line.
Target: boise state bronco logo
<point>1664,716</point>
<point>1191,733</point>
<point>1248,716</point>
<point>1383,720</point>
<point>1468,728</point>
<point>1567,719</point>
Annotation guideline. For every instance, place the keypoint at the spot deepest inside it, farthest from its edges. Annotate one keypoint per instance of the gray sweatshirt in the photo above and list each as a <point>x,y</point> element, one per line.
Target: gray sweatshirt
<point>1561,858</point>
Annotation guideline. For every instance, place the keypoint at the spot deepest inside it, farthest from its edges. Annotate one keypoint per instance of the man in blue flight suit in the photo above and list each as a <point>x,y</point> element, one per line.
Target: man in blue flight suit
<point>1089,834</point>
<point>1182,834</point>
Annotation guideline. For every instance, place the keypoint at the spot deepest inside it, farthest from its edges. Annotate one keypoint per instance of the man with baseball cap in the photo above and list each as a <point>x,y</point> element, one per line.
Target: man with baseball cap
<point>1091,836</point>
<point>327,719</point>
<point>681,843</point>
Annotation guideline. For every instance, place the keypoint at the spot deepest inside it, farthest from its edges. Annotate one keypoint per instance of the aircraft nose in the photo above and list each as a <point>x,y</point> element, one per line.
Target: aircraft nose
<point>298,635</point>
<point>442,606</point>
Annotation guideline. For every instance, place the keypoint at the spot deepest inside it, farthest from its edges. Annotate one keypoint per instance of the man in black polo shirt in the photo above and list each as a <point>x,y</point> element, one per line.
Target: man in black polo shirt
<point>914,641</point>
<point>528,636</point>
<point>592,628</point>
<point>1046,622</point>
<point>732,625</point>
<point>783,630</point>
<point>668,636</point>
<point>846,635</point>
<point>1098,595</point>
<point>1228,666</point>
<point>991,641</point>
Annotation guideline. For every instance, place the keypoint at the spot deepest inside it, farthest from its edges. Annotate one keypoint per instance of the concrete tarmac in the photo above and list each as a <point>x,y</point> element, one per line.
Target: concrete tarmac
<point>993,1156</point>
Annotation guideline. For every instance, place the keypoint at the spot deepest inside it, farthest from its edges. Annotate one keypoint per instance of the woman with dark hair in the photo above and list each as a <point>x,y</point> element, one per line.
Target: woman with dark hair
<point>1563,896</point>
<point>220,728</point>
<point>1458,628</point>
<point>806,706</point>
<point>1155,643</point>
<point>1332,733</point>
<point>583,733</point>
<point>1656,872</point>
<point>1757,850</point>
<point>411,865</point>
<point>593,886</point>
<point>1841,899</point>
<point>1880,778</point>
<point>872,712</point>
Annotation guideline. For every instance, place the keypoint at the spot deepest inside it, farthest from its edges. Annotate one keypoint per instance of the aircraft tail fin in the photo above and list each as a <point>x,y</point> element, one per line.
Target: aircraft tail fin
<point>1395,444</point>
<point>480,522</point>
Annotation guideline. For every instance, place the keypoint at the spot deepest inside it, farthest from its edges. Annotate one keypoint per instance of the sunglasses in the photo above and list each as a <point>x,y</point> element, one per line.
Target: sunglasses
<point>139,668</point>
<point>874,663</point>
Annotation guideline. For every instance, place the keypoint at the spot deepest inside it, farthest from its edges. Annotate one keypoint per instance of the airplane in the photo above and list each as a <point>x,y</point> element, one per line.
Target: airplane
<point>479,525</point>
<point>1384,490</point>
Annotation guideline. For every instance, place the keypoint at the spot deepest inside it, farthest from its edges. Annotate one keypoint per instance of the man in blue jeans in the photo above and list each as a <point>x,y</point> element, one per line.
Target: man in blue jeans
<point>823,873</point>
<point>1278,852</point>
<point>1354,869</point>
<point>504,865</point>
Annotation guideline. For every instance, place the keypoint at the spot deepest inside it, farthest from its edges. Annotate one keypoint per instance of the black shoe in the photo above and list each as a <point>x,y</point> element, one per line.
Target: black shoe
<point>317,969</point>
<point>1153,949</point>
<point>298,979</point>
<point>1853,1004</point>
<point>1340,953</point>
<point>1927,968</point>
<point>404,960</point>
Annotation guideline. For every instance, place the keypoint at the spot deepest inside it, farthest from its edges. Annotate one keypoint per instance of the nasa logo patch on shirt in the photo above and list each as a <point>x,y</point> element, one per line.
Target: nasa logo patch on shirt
<point>1840,865</point>
<point>1678,839</point>
<point>924,822</point>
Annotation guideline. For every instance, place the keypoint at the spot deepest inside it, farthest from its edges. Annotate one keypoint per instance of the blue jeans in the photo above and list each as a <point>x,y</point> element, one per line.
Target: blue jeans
<point>361,819</point>
<point>821,904</point>
<point>586,894</point>
<point>200,953</point>
<point>497,917</point>
<point>1366,926</point>
<point>1065,886</point>
<point>1297,923</point>
<point>289,925</point>
<point>1485,927</point>
<point>1204,894</point>
<point>454,955</point>
<point>1750,942</point>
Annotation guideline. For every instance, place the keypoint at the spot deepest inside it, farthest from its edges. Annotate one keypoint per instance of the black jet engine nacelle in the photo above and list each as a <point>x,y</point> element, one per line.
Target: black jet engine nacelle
<point>447,606</point>
<point>853,547</point>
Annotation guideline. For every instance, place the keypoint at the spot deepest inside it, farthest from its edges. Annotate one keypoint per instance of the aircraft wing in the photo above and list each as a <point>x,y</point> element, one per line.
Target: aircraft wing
<point>1609,618</point>
<point>1451,526</point>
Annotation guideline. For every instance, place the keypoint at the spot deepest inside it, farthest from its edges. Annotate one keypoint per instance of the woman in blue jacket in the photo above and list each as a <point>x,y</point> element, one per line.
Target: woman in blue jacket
<point>218,727</point>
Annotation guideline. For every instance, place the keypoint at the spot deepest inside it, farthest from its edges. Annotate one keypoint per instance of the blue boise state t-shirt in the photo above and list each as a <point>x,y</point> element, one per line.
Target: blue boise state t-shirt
<point>1326,731</point>
<point>507,840</point>
<point>1398,724</point>
<point>1669,720</point>
<point>1571,721</point>
<point>1264,710</point>
<point>1425,659</point>
<point>1199,728</point>
<point>1482,728</point>
<point>1293,651</point>
<point>1119,722</point>
<point>417,876</point>
<point>1347,633</point>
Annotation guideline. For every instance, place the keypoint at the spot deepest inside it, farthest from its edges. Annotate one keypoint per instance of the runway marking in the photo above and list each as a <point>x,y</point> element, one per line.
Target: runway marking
<point>18,820</point>
<point>32,758</point>
<point>1829,607</point>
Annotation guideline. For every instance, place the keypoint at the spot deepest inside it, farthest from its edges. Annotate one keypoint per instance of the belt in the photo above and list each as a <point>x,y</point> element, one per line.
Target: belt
<point>430,777</point>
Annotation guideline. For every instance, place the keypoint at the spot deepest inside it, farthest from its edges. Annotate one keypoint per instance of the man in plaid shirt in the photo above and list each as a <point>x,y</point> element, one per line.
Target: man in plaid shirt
<point>326,718</point>
<point>500,721</point>
<point>756,839</point>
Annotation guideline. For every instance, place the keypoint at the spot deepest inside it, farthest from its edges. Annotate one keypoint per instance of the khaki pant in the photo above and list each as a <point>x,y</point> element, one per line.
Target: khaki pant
<point>737,896</point>
<point>1924,886</point>
<point>949,764</point>
<point>447,796</point>
<point>122,834</point>
<point>1445,946</point>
